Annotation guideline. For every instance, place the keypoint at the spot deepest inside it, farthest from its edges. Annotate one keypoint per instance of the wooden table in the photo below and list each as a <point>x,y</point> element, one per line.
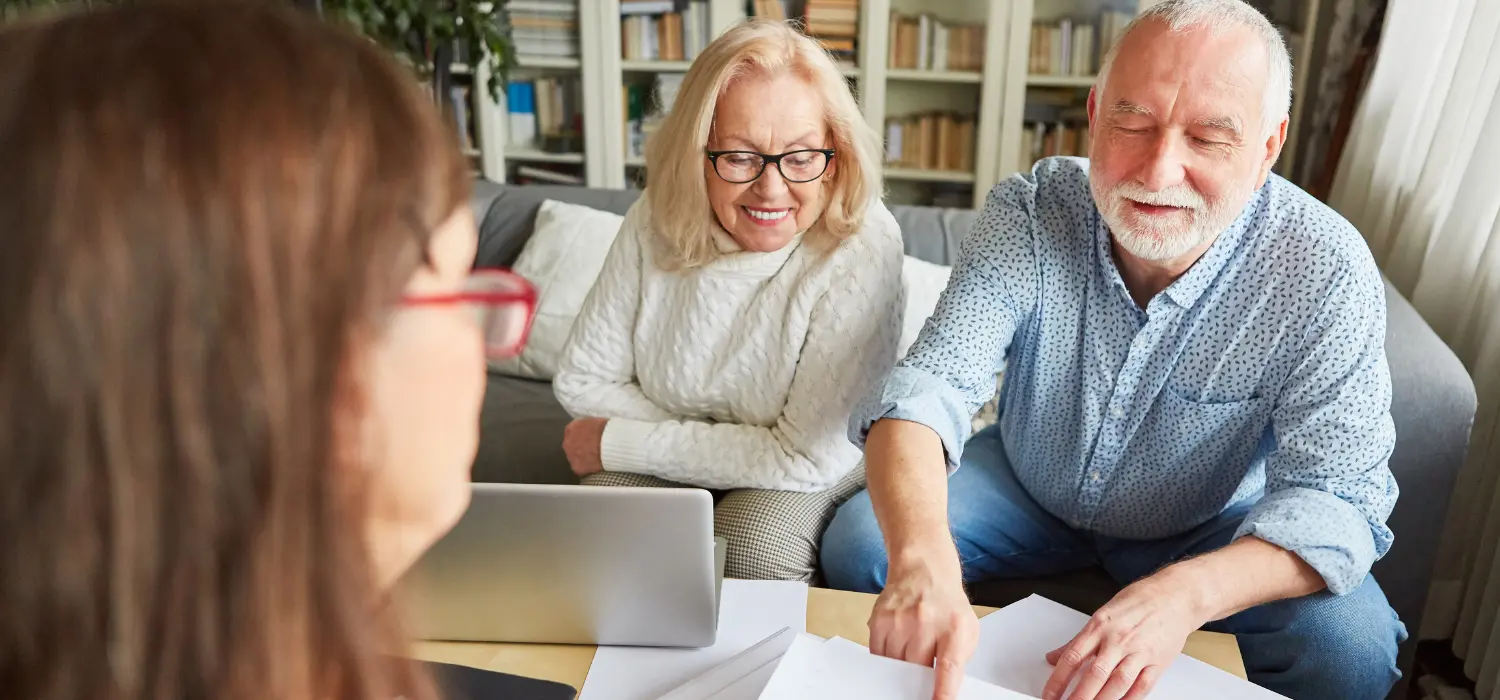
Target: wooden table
<point>829,614</point>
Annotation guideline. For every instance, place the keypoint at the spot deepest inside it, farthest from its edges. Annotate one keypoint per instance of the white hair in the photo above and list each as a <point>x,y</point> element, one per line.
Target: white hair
<point>1219,16</point>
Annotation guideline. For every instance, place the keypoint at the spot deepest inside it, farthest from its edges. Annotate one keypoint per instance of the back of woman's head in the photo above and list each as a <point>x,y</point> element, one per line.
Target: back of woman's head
<point>204,208</point>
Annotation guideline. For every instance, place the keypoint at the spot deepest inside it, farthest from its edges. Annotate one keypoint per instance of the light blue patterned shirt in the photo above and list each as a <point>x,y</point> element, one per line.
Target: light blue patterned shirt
<point>1259,374</point>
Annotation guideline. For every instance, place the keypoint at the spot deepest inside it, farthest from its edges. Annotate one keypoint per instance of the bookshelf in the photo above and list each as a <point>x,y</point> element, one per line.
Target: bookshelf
<point>537,130</point>
<point>622,56</point>
<point>933,73</point>
<point>643,44</point>
<point>1055,50</point>
<point>986,76</point>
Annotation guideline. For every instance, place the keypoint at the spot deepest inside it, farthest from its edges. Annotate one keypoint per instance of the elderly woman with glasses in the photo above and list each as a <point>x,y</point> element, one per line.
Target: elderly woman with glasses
<point>752,296</point>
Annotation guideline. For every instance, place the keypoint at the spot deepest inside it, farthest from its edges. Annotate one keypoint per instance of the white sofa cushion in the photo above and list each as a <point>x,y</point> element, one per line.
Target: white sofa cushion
<point>562,259</point>
<point>925,283</point>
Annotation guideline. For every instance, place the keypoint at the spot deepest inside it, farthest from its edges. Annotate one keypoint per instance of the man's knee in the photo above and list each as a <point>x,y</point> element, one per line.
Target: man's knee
<point>1327,646</point>
<point>853,553</point>
<point>1354,639</point>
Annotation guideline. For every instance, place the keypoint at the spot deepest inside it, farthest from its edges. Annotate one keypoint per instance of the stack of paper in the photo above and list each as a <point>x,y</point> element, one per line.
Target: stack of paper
<point>1014,640</point>
<point>749,612</point>
<point>764,654</point>
<point>814,669</point>
<point>743,677</point>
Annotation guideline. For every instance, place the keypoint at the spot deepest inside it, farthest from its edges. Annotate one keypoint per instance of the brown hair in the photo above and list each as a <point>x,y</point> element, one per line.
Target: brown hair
<point>204,208</point>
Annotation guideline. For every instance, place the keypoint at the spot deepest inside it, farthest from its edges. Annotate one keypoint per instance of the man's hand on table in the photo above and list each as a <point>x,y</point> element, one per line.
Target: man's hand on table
<point>923,616</point>
<point>1128,643</point>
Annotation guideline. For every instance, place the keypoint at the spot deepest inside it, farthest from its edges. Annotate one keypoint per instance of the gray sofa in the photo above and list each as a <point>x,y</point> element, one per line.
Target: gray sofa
<point>522,424</point>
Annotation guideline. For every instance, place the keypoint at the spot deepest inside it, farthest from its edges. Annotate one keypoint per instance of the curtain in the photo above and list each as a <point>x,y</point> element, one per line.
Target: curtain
<point>1335,79</point>
<point>1420,177</point>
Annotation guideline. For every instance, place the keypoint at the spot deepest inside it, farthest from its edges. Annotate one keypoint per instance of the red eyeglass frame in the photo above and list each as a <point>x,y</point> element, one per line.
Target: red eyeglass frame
<point>510,289</point>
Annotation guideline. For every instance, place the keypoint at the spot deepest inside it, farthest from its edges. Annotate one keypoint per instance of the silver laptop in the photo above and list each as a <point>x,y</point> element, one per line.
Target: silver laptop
<point>572,565</point>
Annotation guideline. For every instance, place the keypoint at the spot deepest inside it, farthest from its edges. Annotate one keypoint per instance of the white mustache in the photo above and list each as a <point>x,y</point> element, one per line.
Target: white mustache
<point>1181,196</point>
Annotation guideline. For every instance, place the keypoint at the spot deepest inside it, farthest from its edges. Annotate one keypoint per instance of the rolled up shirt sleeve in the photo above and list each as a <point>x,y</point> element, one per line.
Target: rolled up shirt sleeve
<point>950,370</point>
<point>1329,487</point>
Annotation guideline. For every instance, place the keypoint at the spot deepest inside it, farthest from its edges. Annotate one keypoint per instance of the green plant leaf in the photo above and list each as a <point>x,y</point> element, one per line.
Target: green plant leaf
<point>413,29</point>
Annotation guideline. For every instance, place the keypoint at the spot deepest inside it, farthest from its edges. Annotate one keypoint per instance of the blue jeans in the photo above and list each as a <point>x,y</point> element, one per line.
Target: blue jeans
<point>1311,648</point>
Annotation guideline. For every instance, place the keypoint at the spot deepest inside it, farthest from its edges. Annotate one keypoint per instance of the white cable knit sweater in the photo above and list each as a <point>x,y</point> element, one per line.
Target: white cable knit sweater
<point>740,374</point>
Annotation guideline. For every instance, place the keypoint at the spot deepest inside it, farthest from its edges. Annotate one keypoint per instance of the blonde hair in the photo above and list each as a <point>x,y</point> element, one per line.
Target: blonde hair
<point>681,218</point>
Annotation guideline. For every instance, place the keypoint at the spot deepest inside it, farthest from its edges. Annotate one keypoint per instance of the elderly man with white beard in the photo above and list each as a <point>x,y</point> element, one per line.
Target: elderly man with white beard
<point>1195,396</point>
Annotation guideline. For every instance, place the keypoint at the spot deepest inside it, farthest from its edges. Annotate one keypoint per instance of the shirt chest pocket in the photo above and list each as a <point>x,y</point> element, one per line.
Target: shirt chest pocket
<point>1212,434</point>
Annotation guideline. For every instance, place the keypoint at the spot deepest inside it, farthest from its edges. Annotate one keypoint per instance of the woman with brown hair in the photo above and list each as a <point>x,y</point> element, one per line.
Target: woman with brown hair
<point>240,378</point>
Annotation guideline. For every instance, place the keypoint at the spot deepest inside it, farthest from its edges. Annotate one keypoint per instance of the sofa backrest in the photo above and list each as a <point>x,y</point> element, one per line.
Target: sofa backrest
<point>507,214</point>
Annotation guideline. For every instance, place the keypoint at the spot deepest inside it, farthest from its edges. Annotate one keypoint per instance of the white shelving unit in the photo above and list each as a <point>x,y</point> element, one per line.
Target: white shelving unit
<point>655,66</point>
<point>933,76</point>
<point>882,92</point>
<point>887,92</point>
<point>618,169</point>
<point>547,62</point>
<point>532,155</point>
<point>604,74</point>
<point>498,155</point>
<point>1072,81</point>
<point>919,175</point>
<point>1019,79</point>
<point>996,94</point>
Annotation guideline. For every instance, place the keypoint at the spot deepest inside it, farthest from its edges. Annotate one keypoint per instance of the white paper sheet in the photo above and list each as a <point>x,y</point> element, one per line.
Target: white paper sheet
<point>1014,641</point>
<point>798,673</point>
<point>749,612</point>
<point>842,670</point>
<point>743,676</point>
<point>749,687</point>
<point>848,644</point>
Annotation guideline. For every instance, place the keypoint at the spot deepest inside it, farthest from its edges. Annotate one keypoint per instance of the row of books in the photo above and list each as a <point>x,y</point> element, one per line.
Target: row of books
<point>835,24</point>
<point>652,30</point>
<point>924,42</point>
<point>1042,140</point>
<point>1074,47</point>
<point>543,28</point>
<point>546,113</point>
<point>931,141</point>
<point>769,9</point>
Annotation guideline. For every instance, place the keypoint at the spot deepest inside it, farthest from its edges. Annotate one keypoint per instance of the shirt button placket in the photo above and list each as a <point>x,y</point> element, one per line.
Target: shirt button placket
<point>1111,432</point>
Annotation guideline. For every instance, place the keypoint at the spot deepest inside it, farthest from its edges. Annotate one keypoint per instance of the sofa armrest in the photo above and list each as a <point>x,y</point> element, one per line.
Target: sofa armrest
<point>1432,405</point>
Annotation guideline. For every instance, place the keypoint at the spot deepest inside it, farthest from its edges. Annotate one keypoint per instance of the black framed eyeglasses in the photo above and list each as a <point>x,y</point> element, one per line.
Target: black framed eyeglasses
<point>740,167</point>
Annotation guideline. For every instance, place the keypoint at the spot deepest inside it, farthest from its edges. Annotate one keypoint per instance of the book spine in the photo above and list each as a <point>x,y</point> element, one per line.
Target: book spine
<point>520,101</point>
<point>924,42</point>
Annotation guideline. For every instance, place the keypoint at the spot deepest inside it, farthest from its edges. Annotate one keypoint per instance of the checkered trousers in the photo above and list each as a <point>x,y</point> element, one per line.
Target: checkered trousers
<point>773,535</point>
